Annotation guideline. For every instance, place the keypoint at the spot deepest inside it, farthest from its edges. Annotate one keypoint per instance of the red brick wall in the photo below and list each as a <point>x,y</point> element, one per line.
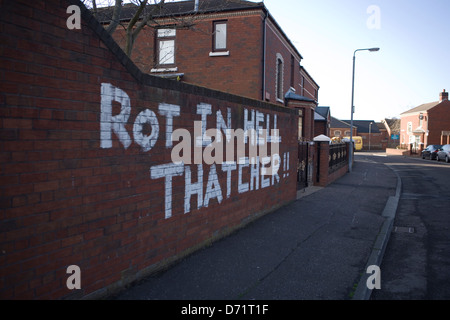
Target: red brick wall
<point>439,120</point>
<point>69,198</point>
<point>378,140</point>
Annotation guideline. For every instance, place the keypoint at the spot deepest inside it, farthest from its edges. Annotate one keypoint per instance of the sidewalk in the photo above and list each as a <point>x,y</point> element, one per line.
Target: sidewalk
<point>315,248</point>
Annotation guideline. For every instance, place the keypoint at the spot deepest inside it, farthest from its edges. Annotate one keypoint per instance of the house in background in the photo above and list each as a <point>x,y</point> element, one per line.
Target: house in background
<point>426,124</point>
<point>392,127</point>
<point>373,139</point>
<point>322,121</point>
<point>340,128</point>
<point>233,46</point>
<point>369,130</point>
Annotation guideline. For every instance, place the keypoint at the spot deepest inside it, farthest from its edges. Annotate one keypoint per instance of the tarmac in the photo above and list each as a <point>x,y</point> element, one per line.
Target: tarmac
<point>318,247</point>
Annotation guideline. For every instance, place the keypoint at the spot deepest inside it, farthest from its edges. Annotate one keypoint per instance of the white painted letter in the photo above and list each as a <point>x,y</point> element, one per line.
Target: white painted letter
<point>146,142</point>
<point>242,187</point>
<point>254,175</point>
<point>265,182</point>
<point>275,166</point>
<point>109,93</point>
<point>221,125</point>
<point>193,188</point>
<point>213,189</point>
<point>204,110</point>
<point>167,171</point>
<point>169,110</point>
<point>228,167</point>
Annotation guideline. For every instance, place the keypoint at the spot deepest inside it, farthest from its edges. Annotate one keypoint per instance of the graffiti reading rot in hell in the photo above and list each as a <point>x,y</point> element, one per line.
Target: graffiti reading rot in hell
<point>221,149</point>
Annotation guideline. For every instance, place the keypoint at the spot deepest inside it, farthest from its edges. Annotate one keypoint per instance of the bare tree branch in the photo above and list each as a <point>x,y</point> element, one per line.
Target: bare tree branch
<point>115,18</point>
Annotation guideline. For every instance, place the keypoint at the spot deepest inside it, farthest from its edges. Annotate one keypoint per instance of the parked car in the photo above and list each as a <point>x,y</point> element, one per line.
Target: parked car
<point>444,153</point>
<point>431,151</point>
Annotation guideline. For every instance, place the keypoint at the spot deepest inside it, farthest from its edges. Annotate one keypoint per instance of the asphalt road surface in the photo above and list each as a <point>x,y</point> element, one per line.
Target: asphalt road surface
<point>416,264</point>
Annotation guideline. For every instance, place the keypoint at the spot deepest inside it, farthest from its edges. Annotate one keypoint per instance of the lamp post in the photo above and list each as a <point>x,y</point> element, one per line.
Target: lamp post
<point>350,158</point>
<point>370,132</point>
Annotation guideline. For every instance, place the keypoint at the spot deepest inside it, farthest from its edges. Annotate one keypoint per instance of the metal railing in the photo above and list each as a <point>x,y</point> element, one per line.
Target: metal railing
<point>338,156</point>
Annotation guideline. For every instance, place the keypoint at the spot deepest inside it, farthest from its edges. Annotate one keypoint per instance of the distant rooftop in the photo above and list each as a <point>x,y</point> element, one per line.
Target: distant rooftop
<point>364,126</point>
<point>180,8</point>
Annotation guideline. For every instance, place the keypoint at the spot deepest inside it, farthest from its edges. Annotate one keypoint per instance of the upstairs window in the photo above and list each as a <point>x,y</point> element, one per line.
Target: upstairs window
<point>410,127</point>
<point>220,36</point>
<point>279,79</point>
<point>303,86</point>
<point>166,47</point>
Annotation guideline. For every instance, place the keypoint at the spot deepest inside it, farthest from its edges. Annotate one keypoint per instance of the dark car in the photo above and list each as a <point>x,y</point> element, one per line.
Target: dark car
<point>444,153</point>
<point>431,151</point>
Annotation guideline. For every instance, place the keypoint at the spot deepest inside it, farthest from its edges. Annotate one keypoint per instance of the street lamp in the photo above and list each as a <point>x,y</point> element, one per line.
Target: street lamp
<point>370,132</point>
<point>350,158</point>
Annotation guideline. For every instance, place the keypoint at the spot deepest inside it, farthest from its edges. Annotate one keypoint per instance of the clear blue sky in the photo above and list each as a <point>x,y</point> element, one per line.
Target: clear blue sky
<point>411,68</point>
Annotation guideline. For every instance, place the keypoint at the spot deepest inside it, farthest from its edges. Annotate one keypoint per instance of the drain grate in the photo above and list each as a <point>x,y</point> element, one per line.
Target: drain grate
<point>404,229</point>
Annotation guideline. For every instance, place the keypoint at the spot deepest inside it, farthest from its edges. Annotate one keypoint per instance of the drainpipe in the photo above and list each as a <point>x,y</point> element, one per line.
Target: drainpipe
<point>264,56</point>
<point>196,6</point>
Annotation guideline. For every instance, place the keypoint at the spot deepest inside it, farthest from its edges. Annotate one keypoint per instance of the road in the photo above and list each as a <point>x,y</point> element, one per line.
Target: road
<point>416,264</point>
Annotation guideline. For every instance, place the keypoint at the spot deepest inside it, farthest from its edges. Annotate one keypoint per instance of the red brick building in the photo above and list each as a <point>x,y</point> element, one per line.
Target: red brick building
<point>322,121</point>
<point>341,129</point>
<point>426,124</point>
<point>232,46</point>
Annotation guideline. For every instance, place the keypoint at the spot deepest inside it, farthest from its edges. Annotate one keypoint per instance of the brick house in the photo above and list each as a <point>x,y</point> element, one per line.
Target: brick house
<point>340,128</point>
<point>233,46</point>
<point>426,124</point>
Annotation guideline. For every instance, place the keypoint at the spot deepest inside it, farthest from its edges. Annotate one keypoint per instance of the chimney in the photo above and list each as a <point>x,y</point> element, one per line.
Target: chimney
<point>443,96</point>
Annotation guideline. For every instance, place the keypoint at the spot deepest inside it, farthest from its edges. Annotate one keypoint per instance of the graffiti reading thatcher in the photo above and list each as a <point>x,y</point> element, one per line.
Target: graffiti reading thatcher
<point>206,148</point>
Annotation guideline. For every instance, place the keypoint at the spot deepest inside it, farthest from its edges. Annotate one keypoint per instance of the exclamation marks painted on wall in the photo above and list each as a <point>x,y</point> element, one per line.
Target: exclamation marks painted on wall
<point>286,164</point>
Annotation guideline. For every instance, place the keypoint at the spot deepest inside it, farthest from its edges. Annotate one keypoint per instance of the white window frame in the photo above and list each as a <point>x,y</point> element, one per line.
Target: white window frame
<point>166,35</point>
<point>409,127</point>
<point>219,34</point>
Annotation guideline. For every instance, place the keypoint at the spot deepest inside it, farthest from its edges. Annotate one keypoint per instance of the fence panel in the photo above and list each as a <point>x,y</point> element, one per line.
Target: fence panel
<point>338,156</point>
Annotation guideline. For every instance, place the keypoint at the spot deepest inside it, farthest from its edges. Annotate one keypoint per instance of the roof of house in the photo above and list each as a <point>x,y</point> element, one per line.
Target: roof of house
<point>393,124</point>
<point>323,111</point>
<point>364,126</point>
<point>336,123</point>
<point>422,107</point>
<point>180,8</point>
<point>318,117</point>
<point>307,73</point>
<point>290,95</point>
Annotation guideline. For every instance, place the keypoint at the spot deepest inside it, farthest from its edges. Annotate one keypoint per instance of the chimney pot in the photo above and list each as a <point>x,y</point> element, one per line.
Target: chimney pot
<point>443,96</point>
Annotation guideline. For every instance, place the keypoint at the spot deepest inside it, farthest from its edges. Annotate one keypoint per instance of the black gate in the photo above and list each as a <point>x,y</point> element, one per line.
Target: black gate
<point>302,165</point>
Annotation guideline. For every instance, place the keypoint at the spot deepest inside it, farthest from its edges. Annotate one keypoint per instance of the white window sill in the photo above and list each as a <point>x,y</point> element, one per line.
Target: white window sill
<point>279,100</point>
<point>164,69</point>
<point>219,54</point>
